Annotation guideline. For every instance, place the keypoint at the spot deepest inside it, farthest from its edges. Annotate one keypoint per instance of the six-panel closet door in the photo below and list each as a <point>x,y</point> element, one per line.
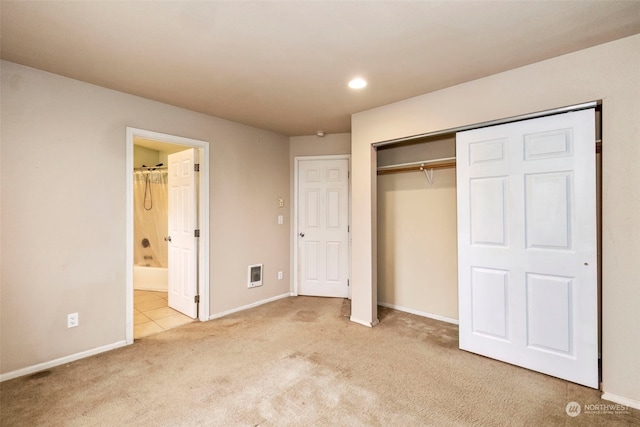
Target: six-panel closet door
<point>527,244</point>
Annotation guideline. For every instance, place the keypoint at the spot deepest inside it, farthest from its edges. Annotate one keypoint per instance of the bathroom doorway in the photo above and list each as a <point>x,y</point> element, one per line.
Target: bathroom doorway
<point>154,272</point>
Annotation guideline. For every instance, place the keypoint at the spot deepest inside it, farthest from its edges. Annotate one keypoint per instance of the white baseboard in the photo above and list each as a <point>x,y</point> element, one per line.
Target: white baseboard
<point>419,313</point>
<point>621,400</point>
<point>364,323</point>
<point>248,306</point>
<point>61,361</point>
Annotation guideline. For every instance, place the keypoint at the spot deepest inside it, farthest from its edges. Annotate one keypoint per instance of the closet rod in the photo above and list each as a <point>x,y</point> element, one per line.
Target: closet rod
<point>447,162</point>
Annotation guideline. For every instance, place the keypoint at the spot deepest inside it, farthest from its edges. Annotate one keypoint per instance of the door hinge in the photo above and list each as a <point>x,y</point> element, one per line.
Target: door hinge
<point>196,233</point>
<point>196,299</point>
<point>196,167</point>
<point>348,282</point>
<point>348,228</point>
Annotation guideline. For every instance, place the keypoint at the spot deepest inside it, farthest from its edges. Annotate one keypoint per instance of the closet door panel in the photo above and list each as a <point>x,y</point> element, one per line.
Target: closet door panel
<point>527,244</point>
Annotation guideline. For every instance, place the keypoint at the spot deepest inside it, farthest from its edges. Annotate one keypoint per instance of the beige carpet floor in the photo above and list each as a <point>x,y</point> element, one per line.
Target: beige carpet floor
<point>299,362</point>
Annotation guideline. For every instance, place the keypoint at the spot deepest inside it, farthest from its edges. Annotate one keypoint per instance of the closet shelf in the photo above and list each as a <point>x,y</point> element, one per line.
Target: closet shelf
<point>448,162</point>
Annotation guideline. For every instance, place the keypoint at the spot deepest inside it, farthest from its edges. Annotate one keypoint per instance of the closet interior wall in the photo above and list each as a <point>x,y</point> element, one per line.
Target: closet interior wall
<point>417,231</point>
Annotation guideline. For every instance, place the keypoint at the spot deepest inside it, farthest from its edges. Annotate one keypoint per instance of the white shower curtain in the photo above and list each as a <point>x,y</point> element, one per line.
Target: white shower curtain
<point>150,201</point>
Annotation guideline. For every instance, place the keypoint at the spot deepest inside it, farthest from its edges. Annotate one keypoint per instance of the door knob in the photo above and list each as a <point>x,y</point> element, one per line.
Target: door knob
<point>301,234</point>
<point>167,239</point>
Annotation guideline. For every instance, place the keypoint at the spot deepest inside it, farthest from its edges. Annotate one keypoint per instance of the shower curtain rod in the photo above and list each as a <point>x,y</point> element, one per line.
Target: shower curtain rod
<point>151,168</point>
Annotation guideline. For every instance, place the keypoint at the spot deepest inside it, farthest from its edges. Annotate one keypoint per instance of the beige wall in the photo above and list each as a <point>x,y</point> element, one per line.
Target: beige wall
<point>608,72</point>
<point>417,243</point>
<point>311,145</point>
<point>63,211</point>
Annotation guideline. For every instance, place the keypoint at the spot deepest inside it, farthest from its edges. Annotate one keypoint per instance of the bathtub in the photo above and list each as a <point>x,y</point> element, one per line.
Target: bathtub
<point>150,278</point>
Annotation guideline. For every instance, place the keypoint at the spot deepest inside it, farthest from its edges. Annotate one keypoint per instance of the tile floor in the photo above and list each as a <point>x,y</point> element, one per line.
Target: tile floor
<point>151,314</point>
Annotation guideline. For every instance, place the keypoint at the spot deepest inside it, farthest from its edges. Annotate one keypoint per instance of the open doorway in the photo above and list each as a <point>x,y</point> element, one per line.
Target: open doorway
<point>167,265</point>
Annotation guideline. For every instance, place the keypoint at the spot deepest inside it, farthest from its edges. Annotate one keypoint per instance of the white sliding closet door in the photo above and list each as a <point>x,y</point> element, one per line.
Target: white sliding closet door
<point>527,244</point>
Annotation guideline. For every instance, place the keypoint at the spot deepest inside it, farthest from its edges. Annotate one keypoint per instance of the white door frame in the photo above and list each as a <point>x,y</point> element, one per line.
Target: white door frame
<point>294,234</point>
<point>203,219</point>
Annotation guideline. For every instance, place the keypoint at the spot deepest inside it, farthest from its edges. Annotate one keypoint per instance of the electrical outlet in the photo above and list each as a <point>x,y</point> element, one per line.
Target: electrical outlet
<point>72,320</point>
<point>279,275</point>
<point>280,219</point>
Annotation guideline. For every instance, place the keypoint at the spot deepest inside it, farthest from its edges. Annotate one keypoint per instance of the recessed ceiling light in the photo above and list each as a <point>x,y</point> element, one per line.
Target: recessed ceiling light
<point>357,83</point>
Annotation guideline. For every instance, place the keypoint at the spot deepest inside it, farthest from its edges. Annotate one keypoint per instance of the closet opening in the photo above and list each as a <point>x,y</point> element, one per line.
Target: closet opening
<point>417,220</point>
<point>417,234</point>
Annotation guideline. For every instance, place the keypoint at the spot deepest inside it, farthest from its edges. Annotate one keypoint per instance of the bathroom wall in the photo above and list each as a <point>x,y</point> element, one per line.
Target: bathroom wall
<point>145,156</point>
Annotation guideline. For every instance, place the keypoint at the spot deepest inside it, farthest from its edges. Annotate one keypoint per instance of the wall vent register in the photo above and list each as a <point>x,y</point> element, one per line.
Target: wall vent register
<point>255,276</point>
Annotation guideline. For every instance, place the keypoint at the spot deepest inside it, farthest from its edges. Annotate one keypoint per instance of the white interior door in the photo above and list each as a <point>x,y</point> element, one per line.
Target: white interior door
<point>527,244</point>
<point>323,227</point>
<point>182,241</point>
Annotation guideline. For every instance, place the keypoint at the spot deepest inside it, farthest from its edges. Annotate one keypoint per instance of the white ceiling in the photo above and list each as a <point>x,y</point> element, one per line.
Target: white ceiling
<point>284,65</point>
